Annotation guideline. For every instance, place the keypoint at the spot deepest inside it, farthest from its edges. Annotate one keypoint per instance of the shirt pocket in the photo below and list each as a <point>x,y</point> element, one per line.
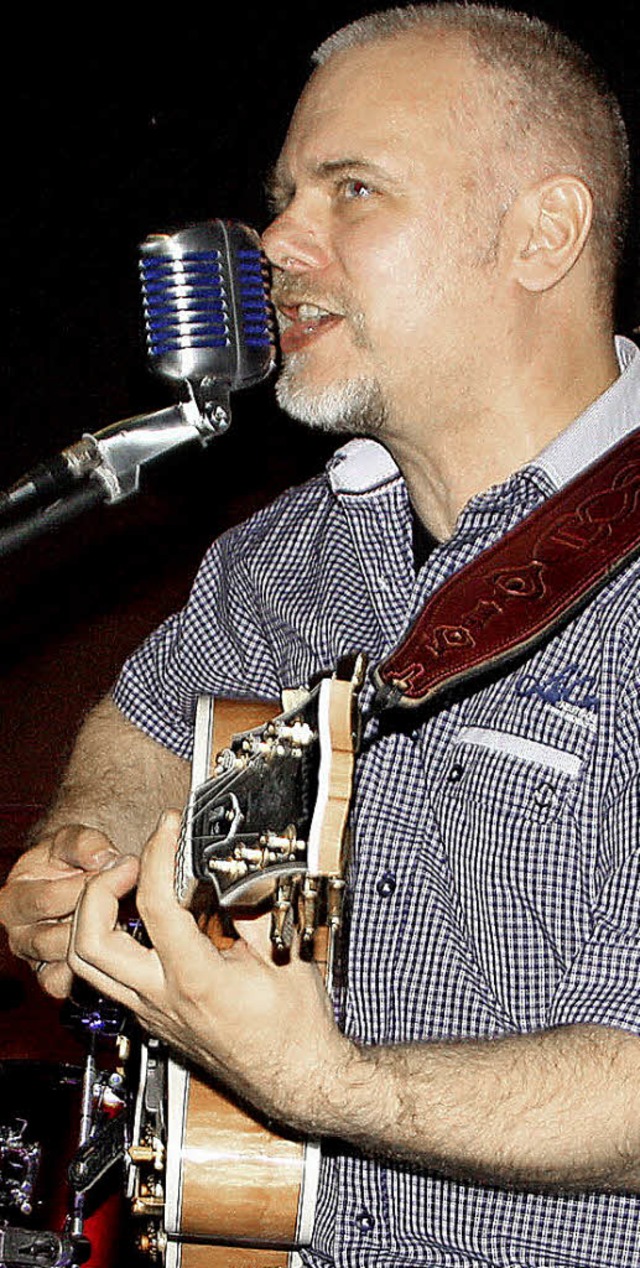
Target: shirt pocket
<point>509,769</point>
<point>505,810</point>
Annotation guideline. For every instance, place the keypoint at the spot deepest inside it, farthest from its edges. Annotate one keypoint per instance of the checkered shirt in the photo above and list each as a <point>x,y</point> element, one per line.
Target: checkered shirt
<point>494,879</point>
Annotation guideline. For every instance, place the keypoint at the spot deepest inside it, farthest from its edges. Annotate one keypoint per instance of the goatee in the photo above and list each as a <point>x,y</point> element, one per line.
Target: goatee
<point>353,407</point>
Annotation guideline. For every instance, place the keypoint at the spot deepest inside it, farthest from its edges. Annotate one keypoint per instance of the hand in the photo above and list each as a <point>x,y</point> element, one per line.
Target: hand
<point>40,896</point>
<point>265,1029</point>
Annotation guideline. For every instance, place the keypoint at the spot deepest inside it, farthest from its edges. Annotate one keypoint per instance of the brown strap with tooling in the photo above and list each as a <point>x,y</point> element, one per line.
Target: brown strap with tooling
<point>516,593</point>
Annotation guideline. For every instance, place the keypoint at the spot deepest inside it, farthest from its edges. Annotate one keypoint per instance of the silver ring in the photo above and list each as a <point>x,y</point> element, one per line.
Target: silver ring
<point>42,964</point>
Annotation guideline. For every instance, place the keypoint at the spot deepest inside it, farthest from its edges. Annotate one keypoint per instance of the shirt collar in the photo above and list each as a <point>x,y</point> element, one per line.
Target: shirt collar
<point>364,466</point>
<point>361,466</point>
<point>606,421</point>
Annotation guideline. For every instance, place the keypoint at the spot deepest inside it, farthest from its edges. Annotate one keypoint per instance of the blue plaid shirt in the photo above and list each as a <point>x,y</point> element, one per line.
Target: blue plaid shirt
<point>494,880</point>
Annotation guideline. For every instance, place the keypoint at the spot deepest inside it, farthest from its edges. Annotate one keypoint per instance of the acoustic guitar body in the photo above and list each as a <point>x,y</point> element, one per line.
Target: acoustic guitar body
<point>227,1189</point>
<point>231,1180</point>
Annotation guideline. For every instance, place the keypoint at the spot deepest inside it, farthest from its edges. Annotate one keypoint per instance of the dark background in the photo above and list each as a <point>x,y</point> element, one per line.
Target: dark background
<point>107,139</point>
<point>110,134</point>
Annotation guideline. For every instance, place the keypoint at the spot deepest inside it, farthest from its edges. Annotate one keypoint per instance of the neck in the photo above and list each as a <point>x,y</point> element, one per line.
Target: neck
<point>522,409</point>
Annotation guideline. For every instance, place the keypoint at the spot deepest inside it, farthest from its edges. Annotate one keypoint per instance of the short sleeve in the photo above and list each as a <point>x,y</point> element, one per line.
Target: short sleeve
<point>215,645</point>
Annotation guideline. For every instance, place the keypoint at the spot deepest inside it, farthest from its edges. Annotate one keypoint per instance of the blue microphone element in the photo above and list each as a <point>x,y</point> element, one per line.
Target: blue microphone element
<point>206,303</point>
<point>210,327</point>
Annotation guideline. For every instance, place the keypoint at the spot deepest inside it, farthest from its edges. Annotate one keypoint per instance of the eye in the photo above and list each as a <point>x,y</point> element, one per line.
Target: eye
<point>353,189</point>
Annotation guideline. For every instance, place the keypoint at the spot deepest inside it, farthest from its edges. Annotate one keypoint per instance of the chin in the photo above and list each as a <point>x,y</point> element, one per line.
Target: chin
<point>353,407</point>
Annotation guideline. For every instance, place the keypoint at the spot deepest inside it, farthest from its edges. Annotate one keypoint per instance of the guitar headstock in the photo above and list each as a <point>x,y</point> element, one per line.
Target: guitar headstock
<point>274,810</point>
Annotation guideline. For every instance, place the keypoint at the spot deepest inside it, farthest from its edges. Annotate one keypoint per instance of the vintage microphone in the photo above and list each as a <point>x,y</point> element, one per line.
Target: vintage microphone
<point>210,328</point>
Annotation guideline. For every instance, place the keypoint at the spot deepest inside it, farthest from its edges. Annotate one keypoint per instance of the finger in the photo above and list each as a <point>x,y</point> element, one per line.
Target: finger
<point>46,941</point>
<point>82,847</point>
<point>42,885</point>
<point>56,980</point>
<point>107,983</point>
<point>98,910</point>
<point>170,927</point>
<point>101,952</point>
<point>29,901</point>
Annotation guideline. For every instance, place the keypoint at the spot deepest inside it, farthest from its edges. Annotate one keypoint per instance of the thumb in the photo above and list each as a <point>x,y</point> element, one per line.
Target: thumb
<point>255,929</point>
<point>85,848</point>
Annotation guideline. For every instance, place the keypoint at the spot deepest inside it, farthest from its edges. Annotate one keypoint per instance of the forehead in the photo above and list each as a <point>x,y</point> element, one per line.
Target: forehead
<point>406,97</point>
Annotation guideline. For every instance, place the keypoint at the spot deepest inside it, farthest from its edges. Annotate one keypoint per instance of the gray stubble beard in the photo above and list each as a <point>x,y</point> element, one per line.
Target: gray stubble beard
<point>353,407</point>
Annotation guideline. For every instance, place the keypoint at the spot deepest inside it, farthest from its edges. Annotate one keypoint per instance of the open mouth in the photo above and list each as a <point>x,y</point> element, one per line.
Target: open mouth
<point>301,323</point>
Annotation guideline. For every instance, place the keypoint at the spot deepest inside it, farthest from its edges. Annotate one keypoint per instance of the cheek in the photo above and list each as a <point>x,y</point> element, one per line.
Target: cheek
<point>398,289</point>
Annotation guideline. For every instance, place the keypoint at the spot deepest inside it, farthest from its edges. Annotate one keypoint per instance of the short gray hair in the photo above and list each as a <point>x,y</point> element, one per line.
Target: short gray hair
<point>558,99</point>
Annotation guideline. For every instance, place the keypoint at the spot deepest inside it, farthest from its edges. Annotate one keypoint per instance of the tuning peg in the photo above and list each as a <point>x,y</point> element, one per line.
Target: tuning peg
<point>282,916</point>
<point>335,895</point>
<point>309,896</point>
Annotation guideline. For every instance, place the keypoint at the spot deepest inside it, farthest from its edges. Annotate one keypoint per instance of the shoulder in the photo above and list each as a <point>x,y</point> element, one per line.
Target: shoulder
<point>304,513</point>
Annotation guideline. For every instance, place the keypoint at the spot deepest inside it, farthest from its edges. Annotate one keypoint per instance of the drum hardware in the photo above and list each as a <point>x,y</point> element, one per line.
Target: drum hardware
<point>19,1162</point>
<point>30,1248</point>
<point>98,1141</point>
<point>104,1146</point>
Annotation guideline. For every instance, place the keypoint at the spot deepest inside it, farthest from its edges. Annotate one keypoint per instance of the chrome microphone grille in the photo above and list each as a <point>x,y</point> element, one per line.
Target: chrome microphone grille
<point>206,304</point>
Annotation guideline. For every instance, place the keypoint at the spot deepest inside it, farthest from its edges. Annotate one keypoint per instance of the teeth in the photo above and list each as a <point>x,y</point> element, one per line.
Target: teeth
<point>308,312</point>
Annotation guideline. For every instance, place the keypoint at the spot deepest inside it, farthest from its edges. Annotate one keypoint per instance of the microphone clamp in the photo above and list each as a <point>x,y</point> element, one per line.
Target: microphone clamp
<point>112,458</point>
<point>116,455</point>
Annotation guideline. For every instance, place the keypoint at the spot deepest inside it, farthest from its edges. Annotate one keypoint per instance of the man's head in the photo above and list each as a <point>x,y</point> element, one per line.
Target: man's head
<point>444,163</point>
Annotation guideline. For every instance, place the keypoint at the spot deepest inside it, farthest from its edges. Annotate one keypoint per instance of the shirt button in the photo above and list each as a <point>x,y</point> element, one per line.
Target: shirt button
<point>545,797</point>
<point>456,773</point>
<point>386,885</point>
<point>365,1221</point>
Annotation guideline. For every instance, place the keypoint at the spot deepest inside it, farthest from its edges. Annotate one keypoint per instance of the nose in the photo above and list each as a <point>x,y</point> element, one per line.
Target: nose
<point>293,246</point>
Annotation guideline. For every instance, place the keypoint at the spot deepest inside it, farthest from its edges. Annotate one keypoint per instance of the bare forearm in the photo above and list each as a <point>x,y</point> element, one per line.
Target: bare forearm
<point>118,780</point>
<point>557,1109</point>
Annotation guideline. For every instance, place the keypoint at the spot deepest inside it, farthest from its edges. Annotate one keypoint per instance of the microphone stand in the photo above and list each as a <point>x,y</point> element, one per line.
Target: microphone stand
<point>17,535</point>
<point>105,467</point>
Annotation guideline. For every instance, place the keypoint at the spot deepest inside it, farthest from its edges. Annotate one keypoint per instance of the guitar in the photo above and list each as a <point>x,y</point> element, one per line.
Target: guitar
<point>215,1185</point>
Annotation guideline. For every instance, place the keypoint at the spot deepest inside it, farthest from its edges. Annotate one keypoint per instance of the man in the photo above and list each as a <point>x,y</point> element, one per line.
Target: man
<point>450,173</point>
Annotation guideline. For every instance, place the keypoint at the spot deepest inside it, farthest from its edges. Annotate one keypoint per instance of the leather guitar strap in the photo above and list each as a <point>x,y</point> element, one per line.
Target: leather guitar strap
<point>519,591</point>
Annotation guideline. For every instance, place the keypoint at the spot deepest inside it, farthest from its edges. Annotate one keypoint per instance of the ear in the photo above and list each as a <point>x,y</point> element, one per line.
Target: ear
<point>552,223</point>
